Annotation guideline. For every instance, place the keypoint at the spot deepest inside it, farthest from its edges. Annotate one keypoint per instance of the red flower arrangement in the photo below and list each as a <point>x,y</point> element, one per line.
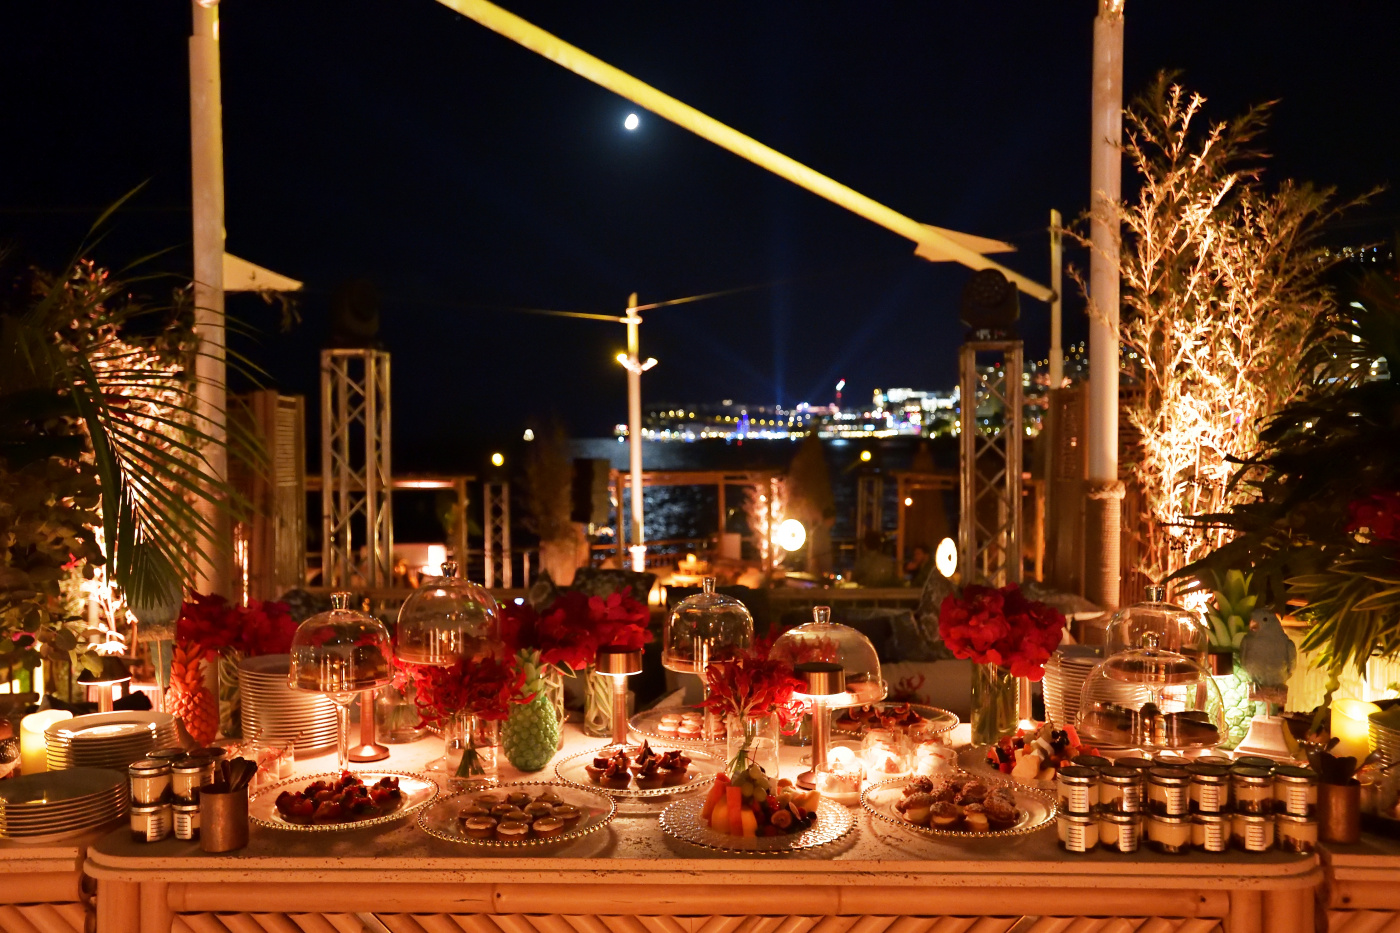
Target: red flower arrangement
<point>569,632</point>
<point>1376,516</point>
<point>1001,627</point>
<point>486,688</point>
<point>210,624</point>
<point>753,685</point>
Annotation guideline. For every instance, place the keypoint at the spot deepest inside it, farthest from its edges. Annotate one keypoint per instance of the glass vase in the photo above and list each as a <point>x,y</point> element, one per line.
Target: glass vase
<point>598,704</point>
<point>554,690</point>
<point>396,718</point>
<point>994,703</point>
<point>230,722</point>
<point>750,740</point>
<point>471,748</point>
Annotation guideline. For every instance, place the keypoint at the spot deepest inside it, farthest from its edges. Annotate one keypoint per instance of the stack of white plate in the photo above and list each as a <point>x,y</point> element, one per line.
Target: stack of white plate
<point>1385,734</point>
<point>108,740</point>
<point>1064,678</point>
<point>273,712</point>
<point>53,804</point>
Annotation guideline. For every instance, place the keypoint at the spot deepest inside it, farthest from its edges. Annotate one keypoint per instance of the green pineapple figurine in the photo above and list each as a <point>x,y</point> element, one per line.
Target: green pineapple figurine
<point>530,736</point>
<point>1229,615</point>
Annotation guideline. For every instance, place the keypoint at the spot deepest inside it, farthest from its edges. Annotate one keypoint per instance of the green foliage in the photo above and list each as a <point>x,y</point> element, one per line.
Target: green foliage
<point>1320,460</point>
<point>1230,610</point>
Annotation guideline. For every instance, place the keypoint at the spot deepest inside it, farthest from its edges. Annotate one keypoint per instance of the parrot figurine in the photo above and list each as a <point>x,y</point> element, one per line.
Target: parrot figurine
<point>1267,654</point>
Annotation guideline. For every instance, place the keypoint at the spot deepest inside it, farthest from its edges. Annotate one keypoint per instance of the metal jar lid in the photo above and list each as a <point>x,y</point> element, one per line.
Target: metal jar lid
<point>1137,764</point>
<point>1179,819</point>
<point>1295,818</point>
<point>1091,761</point>
<point>1076,774</point>
<point>1116,775</point>
<point>192,766</point>
<point>167,754</point>
<point>1211,817</point>
<point>1223,761</point>
<point>1084,819</point>
<point>147,809</point>
<point>1169,776</point>
<point>186,806</point>
<point>1254,817</point>
<point>1110,816</point>
<point>1209,774</point>
<point>1255,761</point>
<point>1251,775</point>
<point>1292,774</point>
<point>148,767</point>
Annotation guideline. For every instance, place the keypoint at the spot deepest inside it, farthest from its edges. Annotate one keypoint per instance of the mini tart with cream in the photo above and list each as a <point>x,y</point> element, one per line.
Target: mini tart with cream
<point>650,776</point>
<point>567,812</point>
<point>547,826</point>
<point>512,831</point>
<point>479,827</point>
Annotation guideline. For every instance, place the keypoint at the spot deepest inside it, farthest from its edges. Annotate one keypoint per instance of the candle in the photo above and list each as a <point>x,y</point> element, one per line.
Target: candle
<point>33,747</point>
<point>1352,728</point>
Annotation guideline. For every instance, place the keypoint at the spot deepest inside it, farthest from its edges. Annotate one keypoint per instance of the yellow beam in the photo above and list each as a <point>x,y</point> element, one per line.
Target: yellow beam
<point>932,243</point>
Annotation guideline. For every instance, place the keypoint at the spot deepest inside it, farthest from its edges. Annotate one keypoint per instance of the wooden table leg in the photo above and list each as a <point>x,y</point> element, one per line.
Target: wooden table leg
<point>156,916</point>
<point>118,906</point>
<point>1246,912</point>
<point>1289,911</point>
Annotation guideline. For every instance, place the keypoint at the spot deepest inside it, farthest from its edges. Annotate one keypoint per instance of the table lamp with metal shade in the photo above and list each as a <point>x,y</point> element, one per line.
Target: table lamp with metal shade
<point>617,664</point>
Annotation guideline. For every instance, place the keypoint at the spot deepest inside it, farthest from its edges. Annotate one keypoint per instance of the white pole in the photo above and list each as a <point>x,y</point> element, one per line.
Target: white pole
<point>212,575</point>
<point>638,548</point>
<point>1057,262</point>
<point>1103,517</point>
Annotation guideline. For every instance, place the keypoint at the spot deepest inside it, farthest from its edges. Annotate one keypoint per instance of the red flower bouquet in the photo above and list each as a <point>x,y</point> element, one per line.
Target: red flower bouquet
<point>570,630</point>
<point>486,688</point>
<point>210,624</point>
<point>753,685</point>
<point>1001,627</point>
<point>1375,518</point>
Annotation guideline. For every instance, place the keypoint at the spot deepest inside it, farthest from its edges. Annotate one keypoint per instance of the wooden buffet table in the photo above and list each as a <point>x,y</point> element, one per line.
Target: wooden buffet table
<point>630,877</point>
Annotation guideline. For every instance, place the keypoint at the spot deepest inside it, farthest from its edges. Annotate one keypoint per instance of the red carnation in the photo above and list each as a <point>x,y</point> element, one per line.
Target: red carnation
<point>1001,627</point>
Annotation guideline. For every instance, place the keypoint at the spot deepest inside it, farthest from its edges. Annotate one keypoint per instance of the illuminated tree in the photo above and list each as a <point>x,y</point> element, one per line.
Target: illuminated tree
<point>1221,282</point>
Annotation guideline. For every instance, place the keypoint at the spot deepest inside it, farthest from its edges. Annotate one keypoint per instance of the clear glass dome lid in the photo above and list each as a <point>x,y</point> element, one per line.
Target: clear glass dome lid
<point>1177,628</point>
<point>705,627</point>
<point>448,618</point>
<point>1151,698</point>
<point>340,651</point>
<point>818,644</point>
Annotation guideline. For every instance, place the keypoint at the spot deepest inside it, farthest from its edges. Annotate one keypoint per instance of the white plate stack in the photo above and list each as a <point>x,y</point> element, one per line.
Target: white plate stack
<point>273,712</point>
<point>53,804</point>
<point>108,740</point>
<point>1385,734</point>
<point>1064,678</point>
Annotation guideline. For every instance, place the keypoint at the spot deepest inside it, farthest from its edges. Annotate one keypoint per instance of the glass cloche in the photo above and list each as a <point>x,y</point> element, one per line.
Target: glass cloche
<point>1151,698</point>
<point>340,652</point>
<point>706,627</point>
<point>448,618</point>
<point>821,643</point>
<point>1177,628</point>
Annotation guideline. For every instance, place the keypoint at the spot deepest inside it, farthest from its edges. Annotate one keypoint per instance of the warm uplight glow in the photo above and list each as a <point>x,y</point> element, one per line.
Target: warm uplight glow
<point>865,456</point>
<point>632,122</point>
<point>908,501</point>
<point>791,535</point>
<point>498,459</point>
<point>946,557</point>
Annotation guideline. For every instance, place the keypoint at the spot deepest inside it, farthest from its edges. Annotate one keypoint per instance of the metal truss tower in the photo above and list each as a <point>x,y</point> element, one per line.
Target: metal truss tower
<point>356,480</point>
<point>989,457</point>
<point>495,512</point>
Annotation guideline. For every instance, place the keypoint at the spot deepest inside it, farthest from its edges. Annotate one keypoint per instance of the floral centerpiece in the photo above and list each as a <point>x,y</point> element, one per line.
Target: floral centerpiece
<point>466,700</point>
<point>1008,636</point>
<point>755,694</point>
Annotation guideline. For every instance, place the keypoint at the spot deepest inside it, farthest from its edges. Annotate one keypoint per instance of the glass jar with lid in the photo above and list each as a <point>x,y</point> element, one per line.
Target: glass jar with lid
<point>448,618</point>
<point>340,652</point>
<point>1177,628</point>
<point>1151,698</point>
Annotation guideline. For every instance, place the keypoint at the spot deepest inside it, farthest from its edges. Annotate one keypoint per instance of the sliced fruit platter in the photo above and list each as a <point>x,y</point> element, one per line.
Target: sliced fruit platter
<point>1032,756</point>
<point>751,812</point>
<point>340,800</point>
<point>928,720</point>
<point>639,770</point>
<point>518,815</point>
<point>960,805</point>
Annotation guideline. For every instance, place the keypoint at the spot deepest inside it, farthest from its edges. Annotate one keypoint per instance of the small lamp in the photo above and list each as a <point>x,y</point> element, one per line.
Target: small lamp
<point>618,664</point>
<point>821,681</point>
<point>113,672</point>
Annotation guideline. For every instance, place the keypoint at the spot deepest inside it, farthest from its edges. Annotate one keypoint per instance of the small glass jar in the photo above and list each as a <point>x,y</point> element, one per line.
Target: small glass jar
<point>1295,790</point>
<point>1078,789</point>
<point>1296,833</point>
<point>1168,834</point>
<point>1256,761</point>
<point>150,781</point>
<point>185,816</point>
<point>1091,761</point>
<point>188,775</point>
<point>1120,790</point>
<point>1169,760</point>
<point>1169,791</point>
<point>1210,788</point>
<point>1078,832</point>
<point>150,822</point>
<point>1253,832</point>
<point>1251,790</point>
<point>1120,832</point>
<point>1210,832</point>
<point>883,753</point>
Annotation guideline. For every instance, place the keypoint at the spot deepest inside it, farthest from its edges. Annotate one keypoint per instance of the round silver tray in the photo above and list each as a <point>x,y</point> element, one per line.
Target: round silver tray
<point>941,720</point>
<point>440,819</point>
<point>1038,809</point>
<point>703,770</point>
<point>418,791</point>
<point>681,820</point>
<point>647,724</point>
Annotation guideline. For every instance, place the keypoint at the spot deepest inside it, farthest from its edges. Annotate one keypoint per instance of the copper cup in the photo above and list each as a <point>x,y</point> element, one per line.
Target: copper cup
<point>223,818</point>
<point>1339,812</point>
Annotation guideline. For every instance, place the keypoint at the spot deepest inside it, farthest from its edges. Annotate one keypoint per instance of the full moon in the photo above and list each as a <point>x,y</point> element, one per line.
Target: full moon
<point>632,122</point>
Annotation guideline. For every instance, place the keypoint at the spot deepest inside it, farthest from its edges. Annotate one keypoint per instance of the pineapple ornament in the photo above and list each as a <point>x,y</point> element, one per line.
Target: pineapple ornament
<point>530,735</point>
<point>1228,614</point>
<point>189,699</point>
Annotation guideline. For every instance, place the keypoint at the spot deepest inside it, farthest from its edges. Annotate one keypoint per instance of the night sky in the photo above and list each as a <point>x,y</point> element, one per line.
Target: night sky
<point>395,140</point>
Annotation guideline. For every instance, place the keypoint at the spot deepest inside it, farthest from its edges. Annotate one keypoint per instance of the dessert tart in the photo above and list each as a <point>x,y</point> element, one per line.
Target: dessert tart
<point>567,812</point>
<point>661,771</point>
<point>547,827</point>
<point>512,831</point>
<point>479,827</point>
<point>341,800</point>
<point>650,776</point>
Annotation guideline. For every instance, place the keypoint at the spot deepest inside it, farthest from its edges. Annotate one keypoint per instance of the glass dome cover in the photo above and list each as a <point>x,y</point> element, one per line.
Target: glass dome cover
<point>821,643</point>
<point>1177,629</point>
<point>1151,698</point>
<point>705,627</point>
<point>340,651</point>
<point>448,618</point>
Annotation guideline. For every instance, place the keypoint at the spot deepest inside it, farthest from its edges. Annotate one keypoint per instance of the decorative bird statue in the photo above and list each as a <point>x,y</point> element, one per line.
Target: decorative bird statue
<point>1268,655</point>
